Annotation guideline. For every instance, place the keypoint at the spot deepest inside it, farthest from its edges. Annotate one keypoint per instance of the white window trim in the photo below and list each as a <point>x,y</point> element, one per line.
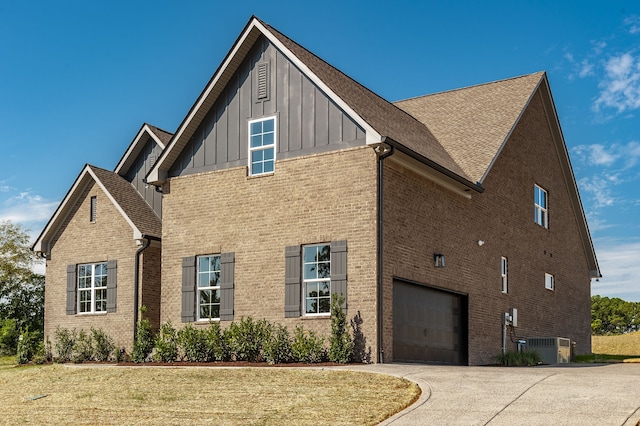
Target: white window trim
<point>199,289</point>
<point>262,148</point>
<point>91,290</point>
<point>312,281</point>
<point>504,271</point>
<point>549,278</point>
<point>541,212</point>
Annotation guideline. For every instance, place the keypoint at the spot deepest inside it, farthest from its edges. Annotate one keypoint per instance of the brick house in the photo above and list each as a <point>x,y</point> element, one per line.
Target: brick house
<point>103,242</point>
<point>288,181</point>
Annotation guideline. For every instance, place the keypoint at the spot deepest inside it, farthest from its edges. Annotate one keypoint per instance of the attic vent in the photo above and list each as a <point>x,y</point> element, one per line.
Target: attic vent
<point>263,81</point>
<point>93,210</point>
<point>152,160</point>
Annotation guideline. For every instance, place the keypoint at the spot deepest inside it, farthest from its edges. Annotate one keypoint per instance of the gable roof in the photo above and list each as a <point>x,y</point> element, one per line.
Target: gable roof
<point>146,132</point>
<point>381,120</point>
<point>125,198</point>
<point>474,123</point>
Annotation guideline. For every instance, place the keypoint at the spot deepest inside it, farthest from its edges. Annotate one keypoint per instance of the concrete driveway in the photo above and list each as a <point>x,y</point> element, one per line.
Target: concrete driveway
<point>570,395</point>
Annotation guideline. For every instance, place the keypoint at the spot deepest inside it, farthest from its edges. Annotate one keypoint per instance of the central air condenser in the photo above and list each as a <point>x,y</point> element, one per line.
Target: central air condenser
<point>553,350</point>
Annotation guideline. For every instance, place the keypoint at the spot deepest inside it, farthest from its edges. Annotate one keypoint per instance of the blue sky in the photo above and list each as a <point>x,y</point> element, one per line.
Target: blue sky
<point>78,79</point>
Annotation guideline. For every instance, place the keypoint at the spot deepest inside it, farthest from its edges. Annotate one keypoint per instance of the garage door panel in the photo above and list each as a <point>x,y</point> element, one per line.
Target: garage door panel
<point>428,325</point>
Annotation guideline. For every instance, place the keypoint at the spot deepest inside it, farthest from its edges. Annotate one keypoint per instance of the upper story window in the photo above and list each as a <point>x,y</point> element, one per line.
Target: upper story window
<point>208,297</point>
<point>540,206</point>
<point>316,275</point>
<point>262,146</point>
<point>549,282</point>
<point>92,288</point>
<point>503,274</point>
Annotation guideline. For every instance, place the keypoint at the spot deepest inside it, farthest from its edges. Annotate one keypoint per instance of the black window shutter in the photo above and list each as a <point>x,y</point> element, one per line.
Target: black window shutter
<point>112,285</point>
<point>71,289</point>
<point>188,289</point>
<point>339,269</point>
<point>292,282</point>
<point>227,278</point>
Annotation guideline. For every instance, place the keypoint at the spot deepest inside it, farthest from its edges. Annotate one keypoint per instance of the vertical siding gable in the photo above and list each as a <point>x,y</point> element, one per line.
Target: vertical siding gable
<point>139,169</point>
<point>308,121</point>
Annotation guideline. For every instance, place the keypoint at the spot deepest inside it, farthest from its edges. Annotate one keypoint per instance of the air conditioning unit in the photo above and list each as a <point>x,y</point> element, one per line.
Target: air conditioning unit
<point>553,350</point>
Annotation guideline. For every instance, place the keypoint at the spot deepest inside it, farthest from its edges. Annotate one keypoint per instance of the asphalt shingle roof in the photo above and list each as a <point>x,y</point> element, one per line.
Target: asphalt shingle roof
<point>473,123</point>
<point>131,202</point>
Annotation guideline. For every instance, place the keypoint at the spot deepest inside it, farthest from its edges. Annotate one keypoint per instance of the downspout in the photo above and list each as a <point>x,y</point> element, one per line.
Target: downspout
<point>136,279</point>
<point>383,151</point>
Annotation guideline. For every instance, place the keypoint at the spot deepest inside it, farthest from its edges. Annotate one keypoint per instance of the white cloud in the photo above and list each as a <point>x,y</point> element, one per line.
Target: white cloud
<point>633,22</point>
<point>621,84</point>
<point>26,208</point>
<point>620,266</point>
<point>586,69</point>
<point>600,190</point>
<point>597,154</point>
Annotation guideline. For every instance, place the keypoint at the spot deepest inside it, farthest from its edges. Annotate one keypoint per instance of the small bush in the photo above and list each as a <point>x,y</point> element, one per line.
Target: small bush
<point>340,342</point>
<point>82,348</point>
<point>166,343</point>
<point>121,355</point>
<point>193,343</point>
<point>9,335</point>
<point>218,342</point>
<point>143,343</point>
<point>247,338</point>
<point>102,344</point>
<point>307,346</point>
<point>277,349</point>
<point>525,358</point>
<point>65,340</point>
<point>29,345</point>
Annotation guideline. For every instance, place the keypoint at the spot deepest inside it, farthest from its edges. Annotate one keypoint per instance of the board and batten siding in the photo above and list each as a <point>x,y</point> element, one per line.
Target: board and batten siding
<point>138,171</point>
<point>307,120</point>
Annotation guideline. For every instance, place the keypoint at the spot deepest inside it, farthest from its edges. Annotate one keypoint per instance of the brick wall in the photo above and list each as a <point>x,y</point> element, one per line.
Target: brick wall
<point>312,199</point>
<point>422,218</point>
<point>109,238</point>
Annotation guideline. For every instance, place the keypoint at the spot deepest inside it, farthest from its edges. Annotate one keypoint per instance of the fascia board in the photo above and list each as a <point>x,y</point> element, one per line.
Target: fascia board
<point>134,146</point>
<point>159,171</point>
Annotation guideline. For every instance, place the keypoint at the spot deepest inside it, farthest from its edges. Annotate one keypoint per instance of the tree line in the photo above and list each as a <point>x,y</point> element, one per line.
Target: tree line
<point>21,289</point>
<point>614,316</point>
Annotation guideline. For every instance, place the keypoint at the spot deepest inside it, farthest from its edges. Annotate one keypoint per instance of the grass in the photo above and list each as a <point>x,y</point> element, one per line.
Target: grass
<point>611,349</point>
<point>212,395</point>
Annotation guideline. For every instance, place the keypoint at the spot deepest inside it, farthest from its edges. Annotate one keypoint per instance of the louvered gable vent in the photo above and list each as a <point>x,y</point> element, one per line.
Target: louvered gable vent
<point>263,81</point>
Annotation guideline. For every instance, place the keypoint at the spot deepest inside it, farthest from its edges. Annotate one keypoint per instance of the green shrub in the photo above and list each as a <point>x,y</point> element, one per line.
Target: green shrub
<point>247,338</point>
<point>82,348</point>
<point>65,341</point>
<point>307,346</point>
<point>143,343</point>
<point>193,343</point>
<point>340,342</point>
<point>29,345</point>
<point>277,349</point>
<point>9,335</point>
<point>219,342</point>
<point>166,343</point>
<point>102,344</point>
<point>524,358</point>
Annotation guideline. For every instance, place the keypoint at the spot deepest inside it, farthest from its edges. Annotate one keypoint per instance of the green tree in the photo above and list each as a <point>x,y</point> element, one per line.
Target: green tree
<point>21,289</point>
<point>614,315</point>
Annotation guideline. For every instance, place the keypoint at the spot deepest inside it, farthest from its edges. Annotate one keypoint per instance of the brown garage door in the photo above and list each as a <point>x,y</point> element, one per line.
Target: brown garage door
<point>429,325</point>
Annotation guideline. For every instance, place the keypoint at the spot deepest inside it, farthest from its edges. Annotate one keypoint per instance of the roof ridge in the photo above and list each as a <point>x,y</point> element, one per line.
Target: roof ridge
<point>470,86</point>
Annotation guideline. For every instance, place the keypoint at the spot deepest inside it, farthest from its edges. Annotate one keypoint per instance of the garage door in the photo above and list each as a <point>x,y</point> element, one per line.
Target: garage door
<point>429,325</point>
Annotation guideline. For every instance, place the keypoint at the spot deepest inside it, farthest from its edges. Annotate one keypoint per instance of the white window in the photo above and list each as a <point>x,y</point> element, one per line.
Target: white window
<point>503,274</point>
<point>92,288</point>
<point>549,282</point>
<point>540,209</point>
<point>208,287</point>
<point>316,266</point>
<point>262,146</point>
